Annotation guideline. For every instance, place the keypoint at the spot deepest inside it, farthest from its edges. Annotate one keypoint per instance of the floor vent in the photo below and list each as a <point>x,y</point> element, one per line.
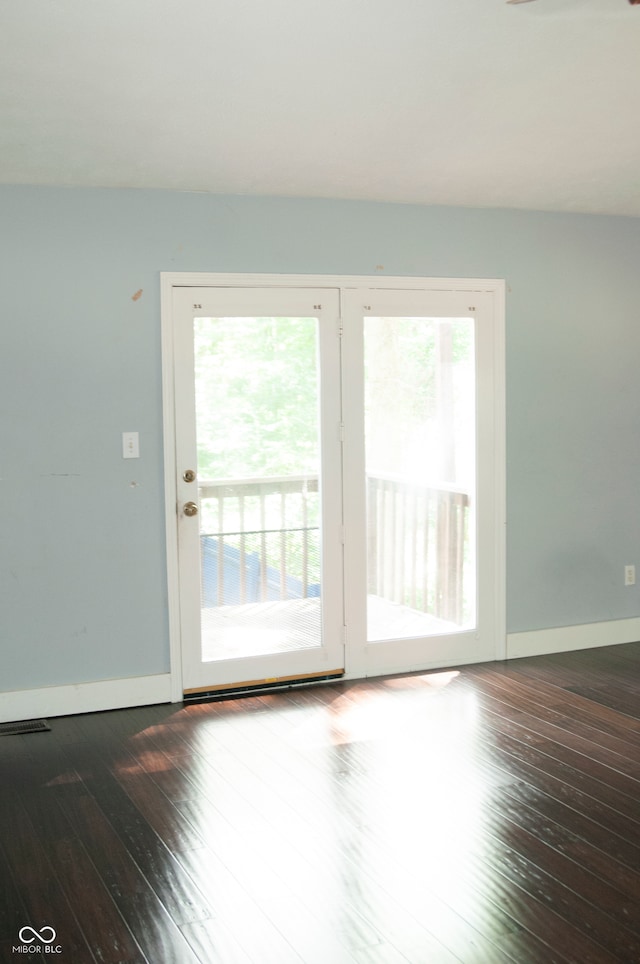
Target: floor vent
<point>26,726</point>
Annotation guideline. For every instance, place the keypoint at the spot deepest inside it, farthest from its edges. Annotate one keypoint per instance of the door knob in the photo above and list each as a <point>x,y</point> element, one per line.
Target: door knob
<point>190,508</point>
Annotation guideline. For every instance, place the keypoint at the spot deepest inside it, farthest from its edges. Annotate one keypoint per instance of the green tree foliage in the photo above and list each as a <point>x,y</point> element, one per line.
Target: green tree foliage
<point>257,397</point>
<point>416,372</point>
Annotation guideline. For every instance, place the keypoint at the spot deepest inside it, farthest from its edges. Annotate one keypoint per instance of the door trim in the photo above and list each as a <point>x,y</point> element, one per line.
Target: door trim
<point>171,280</point>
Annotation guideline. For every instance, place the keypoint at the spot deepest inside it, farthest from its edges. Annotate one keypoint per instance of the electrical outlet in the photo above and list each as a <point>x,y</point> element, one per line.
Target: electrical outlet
<point>629,575</point>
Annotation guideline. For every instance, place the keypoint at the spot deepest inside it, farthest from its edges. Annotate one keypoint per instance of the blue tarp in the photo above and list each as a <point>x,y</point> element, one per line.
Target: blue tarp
<point>231,573</point>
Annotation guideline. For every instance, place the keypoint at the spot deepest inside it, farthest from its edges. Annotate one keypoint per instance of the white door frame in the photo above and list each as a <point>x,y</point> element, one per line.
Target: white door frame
<point>171,280</point>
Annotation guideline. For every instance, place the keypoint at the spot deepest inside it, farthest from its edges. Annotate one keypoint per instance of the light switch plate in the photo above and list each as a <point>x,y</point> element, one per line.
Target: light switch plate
<point>130,445</point>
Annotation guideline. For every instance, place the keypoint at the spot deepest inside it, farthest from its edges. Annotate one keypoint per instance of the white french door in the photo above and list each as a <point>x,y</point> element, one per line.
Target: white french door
<point>334,475</point>
<point>258,484</point>
<point>421,480</point>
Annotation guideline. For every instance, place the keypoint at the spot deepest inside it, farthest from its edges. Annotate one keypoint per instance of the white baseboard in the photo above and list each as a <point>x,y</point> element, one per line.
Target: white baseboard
<point>114,694</point>
<point>563,639</point>
<point>110,694</point>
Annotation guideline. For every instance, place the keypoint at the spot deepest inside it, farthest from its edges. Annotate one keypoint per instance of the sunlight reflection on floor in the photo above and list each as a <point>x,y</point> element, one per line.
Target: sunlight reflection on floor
<point>397,767</point>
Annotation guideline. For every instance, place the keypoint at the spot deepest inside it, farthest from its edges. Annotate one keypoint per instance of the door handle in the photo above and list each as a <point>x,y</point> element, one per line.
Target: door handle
<point>190,508</point>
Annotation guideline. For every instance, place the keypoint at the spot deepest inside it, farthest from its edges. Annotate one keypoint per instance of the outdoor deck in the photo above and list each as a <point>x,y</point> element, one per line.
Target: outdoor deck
<point>261,582</point>
<point>265,628</point>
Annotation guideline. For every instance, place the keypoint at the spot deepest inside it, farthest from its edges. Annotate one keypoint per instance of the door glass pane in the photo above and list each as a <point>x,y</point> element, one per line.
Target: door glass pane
<point>420,466</point>
<point>258,438</point>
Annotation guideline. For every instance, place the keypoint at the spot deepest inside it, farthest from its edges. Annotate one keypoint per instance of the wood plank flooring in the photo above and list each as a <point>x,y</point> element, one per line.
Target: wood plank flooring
<point>484,815</point>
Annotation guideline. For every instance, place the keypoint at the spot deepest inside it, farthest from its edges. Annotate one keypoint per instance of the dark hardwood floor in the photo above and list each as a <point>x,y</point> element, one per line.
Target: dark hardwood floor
<point>484,815</point>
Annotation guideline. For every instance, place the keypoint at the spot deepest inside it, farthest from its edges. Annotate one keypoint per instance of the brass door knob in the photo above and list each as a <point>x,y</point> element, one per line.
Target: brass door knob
<point>190,508</point>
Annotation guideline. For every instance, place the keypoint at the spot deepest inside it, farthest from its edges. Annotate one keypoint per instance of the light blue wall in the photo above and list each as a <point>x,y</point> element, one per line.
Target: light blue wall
<point>82,591</point>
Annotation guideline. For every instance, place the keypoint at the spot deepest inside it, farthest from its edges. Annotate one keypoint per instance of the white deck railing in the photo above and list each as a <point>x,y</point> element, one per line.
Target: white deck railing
<point>416,545</point>
<point>260,541</point>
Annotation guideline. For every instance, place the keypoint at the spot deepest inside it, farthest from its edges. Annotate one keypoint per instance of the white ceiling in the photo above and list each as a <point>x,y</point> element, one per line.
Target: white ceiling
<point>463,102</point>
